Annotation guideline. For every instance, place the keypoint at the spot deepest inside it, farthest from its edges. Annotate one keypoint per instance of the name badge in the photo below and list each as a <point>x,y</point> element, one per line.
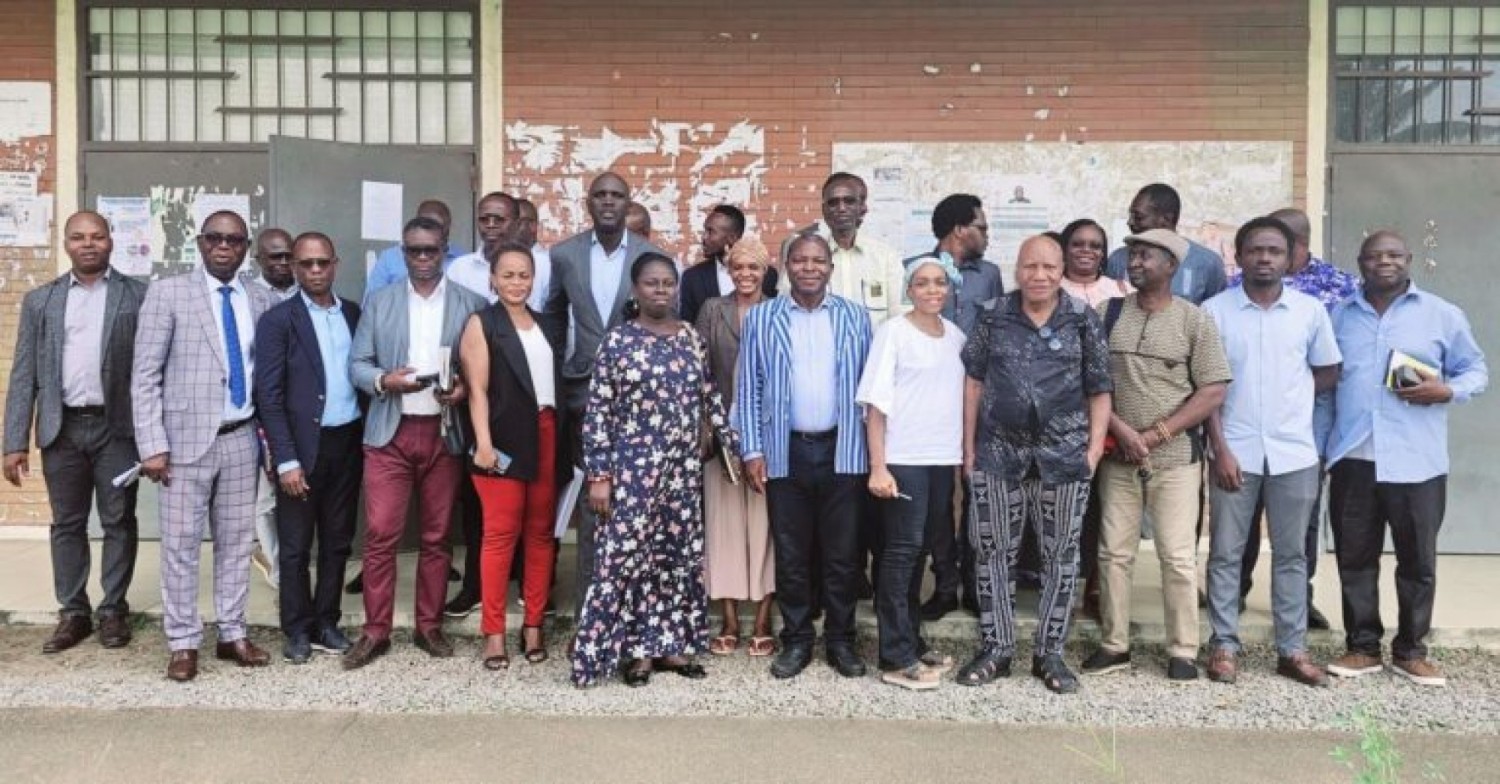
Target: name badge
<point>874,294</point>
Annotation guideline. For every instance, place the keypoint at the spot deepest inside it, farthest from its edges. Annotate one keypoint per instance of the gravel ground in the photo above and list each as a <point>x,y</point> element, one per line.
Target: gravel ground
<point>408,681</point>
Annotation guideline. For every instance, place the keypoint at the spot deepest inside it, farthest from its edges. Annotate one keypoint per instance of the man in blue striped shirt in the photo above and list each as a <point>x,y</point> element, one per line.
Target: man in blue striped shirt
<point>1388,452</point>
<point>803,443</point>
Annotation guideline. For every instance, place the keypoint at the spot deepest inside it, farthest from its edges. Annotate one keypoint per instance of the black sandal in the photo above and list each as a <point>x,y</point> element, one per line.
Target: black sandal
<point>635,678</point>
<point>497,663</point>
<point>690,670</point>
<point>534,654</point>
<point>984,668</point>
<point>1055,674</point>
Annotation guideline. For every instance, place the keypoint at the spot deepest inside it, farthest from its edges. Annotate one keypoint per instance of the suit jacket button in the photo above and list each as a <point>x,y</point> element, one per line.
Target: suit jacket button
<point>320,397</point>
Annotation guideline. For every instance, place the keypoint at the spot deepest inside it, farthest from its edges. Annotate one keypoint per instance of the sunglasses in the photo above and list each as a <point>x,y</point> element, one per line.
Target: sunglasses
<point>214,239</point>
<point>308,264</point>
<point>418,251</point>
<point>279,255</point>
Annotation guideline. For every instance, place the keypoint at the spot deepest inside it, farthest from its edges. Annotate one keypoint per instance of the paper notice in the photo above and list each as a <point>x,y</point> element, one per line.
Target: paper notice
<point>206,204</point>
<point>130,227</point>
<point>25,217</point>
<point>25,110</point>
<point>380,211</point>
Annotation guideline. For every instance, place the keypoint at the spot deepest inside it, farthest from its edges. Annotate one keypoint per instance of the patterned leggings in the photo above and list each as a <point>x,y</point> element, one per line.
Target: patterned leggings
<point>1001,511</point>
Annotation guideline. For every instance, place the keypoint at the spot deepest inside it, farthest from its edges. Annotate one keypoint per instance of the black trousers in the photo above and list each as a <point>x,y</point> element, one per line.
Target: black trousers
<point>952,554</point>
<point>79,467</point>
<point>1361,509</point>
<point>898,590</point>
<point>471,517</point>
<point>816,513</point>
<point>326,516</point>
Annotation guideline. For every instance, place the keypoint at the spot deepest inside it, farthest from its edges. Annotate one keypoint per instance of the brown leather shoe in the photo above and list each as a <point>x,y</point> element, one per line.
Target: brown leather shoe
<point>366,649</point>
<point>183,666</point>
<point>434,642</point>
<point>242,652</point>
<point>1222,667</point>
<point>71,630</point>
<point>1300,668</point>
<point>114,630</point>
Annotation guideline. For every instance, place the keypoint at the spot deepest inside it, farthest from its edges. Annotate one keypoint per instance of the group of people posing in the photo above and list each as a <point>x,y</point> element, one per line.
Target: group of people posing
<point>789,429</point>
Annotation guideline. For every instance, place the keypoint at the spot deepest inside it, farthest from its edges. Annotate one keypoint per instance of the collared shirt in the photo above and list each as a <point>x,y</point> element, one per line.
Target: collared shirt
<point>1407,443</point>
<point>917,381</point>
<point>424,345</point>
<point>278,295</point>
<point>244,323</point>
<point>869,273</point>
<point>472,271</point>
<point>605,271</point>
<point>83,342</point>
<point>1268,411</point>
<point>980,281</point>
<point>1319,279</point>
<point>541,279</point>
<point>814,380</point>
<point>1034,412</point>
<point>1199,276</point>
<point>390,267</point>
<point>1158,360</point>
<point>726,283</point>
<point>340,405</point>
<point>1101,290</point>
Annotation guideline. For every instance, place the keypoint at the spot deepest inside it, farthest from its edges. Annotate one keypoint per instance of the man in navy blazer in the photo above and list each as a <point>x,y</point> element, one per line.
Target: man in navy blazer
<point>311,413</point>
<point>709,278</point>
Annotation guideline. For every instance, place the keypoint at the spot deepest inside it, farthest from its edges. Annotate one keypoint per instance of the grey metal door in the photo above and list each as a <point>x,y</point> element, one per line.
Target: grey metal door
<point>317,186</point>
<point>1444,204</point>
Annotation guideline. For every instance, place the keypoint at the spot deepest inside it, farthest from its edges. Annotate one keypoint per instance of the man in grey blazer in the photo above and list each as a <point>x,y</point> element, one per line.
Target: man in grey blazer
<point>195,431</point>
<point>406,334</point>
<point>72,372</point>
<point>590,283</point>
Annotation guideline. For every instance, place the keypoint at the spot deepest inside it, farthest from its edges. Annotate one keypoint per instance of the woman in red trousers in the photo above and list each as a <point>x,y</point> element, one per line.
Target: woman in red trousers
<point>514,376</point>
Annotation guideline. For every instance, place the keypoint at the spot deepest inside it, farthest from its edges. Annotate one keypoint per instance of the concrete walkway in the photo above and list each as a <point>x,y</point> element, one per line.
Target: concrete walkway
<point>44,745</point>
<point>1466,615</point>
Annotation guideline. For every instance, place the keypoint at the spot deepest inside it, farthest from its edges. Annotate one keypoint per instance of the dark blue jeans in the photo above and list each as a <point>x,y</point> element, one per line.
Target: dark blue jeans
<point>898,591</point>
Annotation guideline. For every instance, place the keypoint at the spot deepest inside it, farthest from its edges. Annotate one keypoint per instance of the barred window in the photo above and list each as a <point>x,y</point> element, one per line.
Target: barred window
<point>221,75</point>
<point>1425,75</point>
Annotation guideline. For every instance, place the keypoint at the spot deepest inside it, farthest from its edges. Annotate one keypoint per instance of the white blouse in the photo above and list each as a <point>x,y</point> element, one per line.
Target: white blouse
<point>917,381</point>
<point>539,361</point>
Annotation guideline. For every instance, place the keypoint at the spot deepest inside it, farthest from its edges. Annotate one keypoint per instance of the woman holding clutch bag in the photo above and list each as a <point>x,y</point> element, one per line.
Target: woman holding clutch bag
<point>645,609</point>
<point>738,530</point>
<point>519,460</point>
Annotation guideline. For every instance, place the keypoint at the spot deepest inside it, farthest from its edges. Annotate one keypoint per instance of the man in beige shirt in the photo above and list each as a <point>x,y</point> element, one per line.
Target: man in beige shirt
<point>865,270</point>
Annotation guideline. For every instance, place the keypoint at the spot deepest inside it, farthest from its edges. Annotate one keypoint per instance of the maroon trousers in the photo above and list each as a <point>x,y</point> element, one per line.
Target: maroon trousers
<point>414,457</point>
<point>516,509</point>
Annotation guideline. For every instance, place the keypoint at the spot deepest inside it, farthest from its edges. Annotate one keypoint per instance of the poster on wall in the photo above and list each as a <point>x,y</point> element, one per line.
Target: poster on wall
<point>130,227</point>
<point>176,214</point>
<point>25,216</point>
<point>1028,188</point>
<point>25,110</point>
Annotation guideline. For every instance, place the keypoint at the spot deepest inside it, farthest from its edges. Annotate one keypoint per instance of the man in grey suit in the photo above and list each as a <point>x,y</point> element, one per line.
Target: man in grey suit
<point>194,428</point>
<point>590,283</point>
<point>72,372</point>
<point>405,336</point>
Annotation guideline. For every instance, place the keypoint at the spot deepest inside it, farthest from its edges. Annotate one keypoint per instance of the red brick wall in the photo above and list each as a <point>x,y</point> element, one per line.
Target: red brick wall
<point>27,52</point>
<point>812,73</point>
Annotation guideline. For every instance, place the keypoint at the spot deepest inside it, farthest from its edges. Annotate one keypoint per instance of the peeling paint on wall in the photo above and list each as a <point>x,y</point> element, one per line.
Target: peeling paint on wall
<point>677,170</point>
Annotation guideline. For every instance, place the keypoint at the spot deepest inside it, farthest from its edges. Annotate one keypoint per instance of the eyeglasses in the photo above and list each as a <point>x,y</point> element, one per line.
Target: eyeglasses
<point>418,251</point>
<point>214,239</point>
<point>315,263</point>
<point>279,256</point>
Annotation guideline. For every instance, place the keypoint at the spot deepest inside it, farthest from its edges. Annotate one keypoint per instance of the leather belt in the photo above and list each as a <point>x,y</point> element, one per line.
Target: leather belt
<point>823,436</point>
<point>229,427</point>
<point>87,411</point>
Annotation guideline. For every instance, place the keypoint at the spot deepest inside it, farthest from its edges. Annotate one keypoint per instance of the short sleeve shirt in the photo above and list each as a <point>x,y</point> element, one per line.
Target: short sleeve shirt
<point>1034,413</point>
<point>1158,360</point>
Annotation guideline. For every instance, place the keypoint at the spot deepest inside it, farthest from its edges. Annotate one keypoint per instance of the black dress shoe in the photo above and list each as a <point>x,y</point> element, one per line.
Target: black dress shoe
<point>298,649</point>
<point>114,630</point>
<point>938,606</point>
<point>792,660</point>
<point>845,661</point>
<point>690,670</point>
<point>461,606</point>
<point>71,630</point>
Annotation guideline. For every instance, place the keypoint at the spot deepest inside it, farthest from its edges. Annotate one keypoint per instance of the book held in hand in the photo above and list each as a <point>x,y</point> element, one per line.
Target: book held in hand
<point>1404,371</point>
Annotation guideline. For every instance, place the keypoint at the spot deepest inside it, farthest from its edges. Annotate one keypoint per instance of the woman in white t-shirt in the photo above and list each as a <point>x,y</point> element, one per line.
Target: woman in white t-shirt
<point>912,391</point>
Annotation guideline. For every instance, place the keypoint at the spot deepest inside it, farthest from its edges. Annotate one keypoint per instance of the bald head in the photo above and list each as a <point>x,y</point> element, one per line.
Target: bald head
<point>1301,250</point>
<point>1039,271</point>
<point>87,242</point>
<point>638,219</point>
<point>608,201</point>
<point>90,217</point>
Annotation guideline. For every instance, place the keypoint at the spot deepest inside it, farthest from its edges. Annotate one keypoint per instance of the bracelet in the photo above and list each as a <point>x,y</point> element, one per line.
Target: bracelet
<point>597,478</point>
<point>1162,431</point>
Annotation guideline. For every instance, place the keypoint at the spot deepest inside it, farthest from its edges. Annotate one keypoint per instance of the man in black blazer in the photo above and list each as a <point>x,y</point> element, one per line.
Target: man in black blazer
<point>312,417</point>
<point>72,372</point>
<point>710,278</point>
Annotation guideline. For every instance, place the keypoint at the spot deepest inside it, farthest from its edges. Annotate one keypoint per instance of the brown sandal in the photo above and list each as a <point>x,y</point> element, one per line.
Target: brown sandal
<point>762,646</point>
<point>724,645</point>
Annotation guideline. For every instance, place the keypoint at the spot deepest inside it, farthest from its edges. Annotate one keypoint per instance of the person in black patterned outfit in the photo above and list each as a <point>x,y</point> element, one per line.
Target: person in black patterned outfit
<point>1036,408</point>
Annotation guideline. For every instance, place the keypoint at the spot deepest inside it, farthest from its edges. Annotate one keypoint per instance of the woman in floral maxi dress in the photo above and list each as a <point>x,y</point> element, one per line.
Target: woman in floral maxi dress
<point>646,608</point>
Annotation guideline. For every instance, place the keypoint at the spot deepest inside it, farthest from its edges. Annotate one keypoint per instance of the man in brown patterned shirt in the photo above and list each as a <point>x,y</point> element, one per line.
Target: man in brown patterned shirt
<point>1170,373</point>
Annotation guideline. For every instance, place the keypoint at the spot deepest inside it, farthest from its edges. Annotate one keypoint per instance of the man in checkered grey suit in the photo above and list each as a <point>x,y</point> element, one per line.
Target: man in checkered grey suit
<point>194,428</point>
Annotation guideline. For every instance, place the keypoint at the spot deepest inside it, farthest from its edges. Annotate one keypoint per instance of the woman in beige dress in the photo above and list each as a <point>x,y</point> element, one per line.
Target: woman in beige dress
<point>738,530</point>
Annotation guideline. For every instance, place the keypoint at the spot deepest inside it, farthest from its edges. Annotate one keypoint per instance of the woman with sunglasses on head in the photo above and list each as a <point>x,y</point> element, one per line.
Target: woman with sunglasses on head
<point>514,373</point>
<point>645,609</point>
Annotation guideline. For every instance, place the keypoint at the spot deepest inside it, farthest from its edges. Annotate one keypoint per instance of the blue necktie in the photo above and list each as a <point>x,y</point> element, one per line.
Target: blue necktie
<point>232,349</point>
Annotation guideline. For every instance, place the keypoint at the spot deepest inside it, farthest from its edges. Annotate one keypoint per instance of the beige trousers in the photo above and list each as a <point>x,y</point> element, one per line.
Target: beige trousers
<point>1172,499</point>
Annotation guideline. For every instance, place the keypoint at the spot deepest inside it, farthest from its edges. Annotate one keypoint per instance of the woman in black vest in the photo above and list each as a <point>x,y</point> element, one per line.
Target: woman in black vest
<point>519,461</point>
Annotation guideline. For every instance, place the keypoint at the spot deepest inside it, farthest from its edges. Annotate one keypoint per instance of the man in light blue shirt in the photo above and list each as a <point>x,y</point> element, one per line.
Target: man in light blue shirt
<point>1280,347</point>
<point>1388,452</point>
<point>1201,273</point>
<point>390,265</point>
